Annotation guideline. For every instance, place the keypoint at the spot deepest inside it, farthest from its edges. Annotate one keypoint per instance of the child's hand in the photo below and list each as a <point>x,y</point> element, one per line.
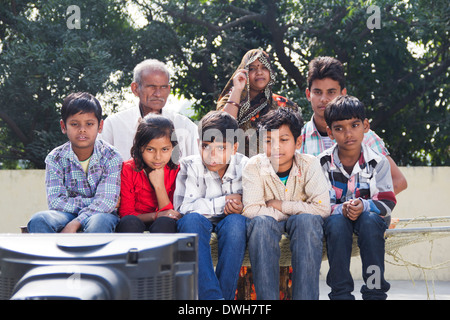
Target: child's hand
<point>72,227</point>
<point>170,213</point>
<point>276,204</point>
<point>156,177</point>
<point>233,204</point>
<point>352,209</point>
<point>235,196</point>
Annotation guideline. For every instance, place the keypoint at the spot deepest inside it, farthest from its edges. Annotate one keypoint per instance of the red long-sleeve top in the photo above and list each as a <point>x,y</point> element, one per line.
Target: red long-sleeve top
<point>137,196</point>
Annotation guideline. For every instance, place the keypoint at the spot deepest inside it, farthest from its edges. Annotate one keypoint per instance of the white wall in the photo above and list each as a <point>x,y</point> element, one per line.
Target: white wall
<point>22,193</point>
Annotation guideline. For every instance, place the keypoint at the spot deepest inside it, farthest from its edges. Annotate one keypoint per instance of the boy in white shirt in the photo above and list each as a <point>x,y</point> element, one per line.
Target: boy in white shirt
<point>209,196</point>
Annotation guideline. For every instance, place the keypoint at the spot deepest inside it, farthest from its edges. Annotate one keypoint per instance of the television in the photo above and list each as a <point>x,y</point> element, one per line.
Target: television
<point>98,266</point>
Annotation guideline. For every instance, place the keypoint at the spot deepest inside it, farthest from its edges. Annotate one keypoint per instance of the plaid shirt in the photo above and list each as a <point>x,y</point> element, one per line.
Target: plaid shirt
<point>70,189</point>
<point>312,142</point>
<point>370,181</point>
<point>202,191</point>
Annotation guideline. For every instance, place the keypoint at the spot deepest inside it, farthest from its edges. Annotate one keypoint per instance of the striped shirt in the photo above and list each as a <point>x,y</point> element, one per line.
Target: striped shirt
<point>369,181</point>
<point>70,189</point>
<point>203,191</point>
<point>313,142</point>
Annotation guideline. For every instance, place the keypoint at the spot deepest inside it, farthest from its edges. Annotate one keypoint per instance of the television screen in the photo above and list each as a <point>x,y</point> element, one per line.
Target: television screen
<point>98,266</point>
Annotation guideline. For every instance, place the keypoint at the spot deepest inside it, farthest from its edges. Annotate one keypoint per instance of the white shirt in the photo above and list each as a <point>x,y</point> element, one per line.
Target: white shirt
<point>202,191</point>
<point>120,128</point>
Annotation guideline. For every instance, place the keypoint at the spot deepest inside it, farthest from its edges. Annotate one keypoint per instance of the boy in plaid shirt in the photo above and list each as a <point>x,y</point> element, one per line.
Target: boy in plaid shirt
<point>208,194</point>
<point>82,175</point>
<point>326,80</point>
<point>362,199</point>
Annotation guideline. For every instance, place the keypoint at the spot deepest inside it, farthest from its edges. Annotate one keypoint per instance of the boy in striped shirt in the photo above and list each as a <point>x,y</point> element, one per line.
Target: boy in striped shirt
<point>362,198</point>
<point>326,80</point>
<point>208,194</point>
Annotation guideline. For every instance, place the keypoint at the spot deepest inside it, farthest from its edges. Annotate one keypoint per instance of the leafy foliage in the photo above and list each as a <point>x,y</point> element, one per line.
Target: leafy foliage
<point>42,61</point>
<point>406,92</point>
<point>399,71</point>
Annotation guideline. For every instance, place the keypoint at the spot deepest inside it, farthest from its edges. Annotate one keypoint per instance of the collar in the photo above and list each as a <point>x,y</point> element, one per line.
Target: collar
<point>230,173</point>
<point>138,114</point>
<point>311,129</point>
<point>267,168</point>
<point>367,155</point>
<point>72,157</point>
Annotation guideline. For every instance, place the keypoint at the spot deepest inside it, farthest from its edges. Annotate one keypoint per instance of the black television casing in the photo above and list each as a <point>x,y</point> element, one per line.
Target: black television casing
<point>99,266</point>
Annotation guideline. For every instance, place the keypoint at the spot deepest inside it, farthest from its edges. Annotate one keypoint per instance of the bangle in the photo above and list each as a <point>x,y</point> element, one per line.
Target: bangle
<point>233,103</point>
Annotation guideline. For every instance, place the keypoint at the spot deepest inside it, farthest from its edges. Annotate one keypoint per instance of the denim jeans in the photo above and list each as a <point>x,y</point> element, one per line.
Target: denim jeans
<point>369,228</point>
<point>305,232</point>
<point>132,224</point>
<point>52,221</point>
<point>231,237</point>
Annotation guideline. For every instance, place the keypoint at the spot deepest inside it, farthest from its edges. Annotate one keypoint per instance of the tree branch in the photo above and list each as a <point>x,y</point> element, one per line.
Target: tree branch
<point>186,17</point>
<point>427,82</point>
<point>277,32</point>
<point>14,127</point>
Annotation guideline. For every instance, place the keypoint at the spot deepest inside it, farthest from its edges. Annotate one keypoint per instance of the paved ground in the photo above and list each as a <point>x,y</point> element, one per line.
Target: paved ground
<point>403,290</point>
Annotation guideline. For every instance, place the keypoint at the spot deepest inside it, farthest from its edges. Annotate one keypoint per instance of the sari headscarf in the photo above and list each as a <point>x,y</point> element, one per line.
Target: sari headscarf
<point>249,110</point>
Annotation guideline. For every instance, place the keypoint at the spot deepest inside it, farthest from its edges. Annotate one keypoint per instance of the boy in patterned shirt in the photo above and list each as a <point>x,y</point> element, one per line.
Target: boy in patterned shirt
<point>326,80</point>
<point>208,194</point>
<point>82,176</point>
<point>362,199</point>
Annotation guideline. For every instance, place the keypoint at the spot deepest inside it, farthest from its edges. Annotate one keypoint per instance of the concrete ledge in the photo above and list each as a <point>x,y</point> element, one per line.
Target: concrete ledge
<point>22,193</point>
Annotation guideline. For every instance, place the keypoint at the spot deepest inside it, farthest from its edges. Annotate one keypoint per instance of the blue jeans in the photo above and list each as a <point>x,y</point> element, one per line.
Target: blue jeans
<point>369,228</point>
<point>305,232</point>
<point>132,224</point>
<point>52,221</point>
<point>231,237</point>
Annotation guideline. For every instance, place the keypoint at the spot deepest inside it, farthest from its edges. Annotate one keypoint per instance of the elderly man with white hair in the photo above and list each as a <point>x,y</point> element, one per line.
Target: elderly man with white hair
<point>151,85</point>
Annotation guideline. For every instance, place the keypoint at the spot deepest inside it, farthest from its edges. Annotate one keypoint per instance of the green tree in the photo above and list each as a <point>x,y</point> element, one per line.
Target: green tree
<point>42,61</point>
<point>406,94</point>
<point>406,91</point>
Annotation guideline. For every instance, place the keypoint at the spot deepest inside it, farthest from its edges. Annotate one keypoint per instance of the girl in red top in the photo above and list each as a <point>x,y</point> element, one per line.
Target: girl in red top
<point>148,179</point>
